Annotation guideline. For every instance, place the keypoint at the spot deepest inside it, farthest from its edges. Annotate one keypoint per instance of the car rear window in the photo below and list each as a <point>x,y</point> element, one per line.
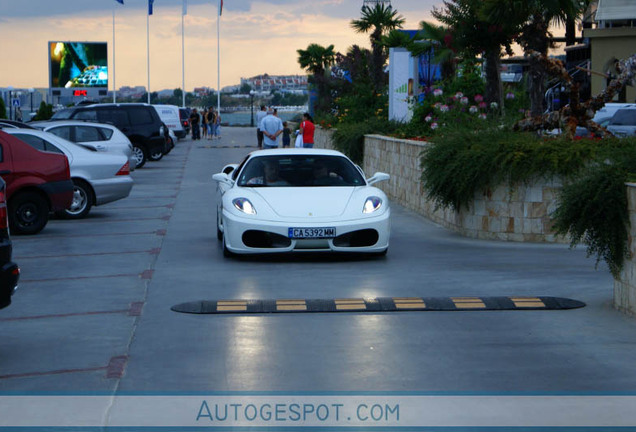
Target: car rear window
<point>87,134</point>
<point>117,117</point>
<point>64,114</point>
<point>624,118</point>
<point>140,115</point>
<point>62,132</point>
<point>86,115</point>
<point>38,143</point>
<point>106,132</point>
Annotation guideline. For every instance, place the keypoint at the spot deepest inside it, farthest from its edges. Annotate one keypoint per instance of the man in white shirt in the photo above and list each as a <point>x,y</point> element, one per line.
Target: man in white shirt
<point>259,133</point>
<point>271,126</point>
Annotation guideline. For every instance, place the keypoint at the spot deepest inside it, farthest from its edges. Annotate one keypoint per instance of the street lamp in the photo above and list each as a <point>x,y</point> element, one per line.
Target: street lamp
<point>252,108</point>
<point>31,91</point>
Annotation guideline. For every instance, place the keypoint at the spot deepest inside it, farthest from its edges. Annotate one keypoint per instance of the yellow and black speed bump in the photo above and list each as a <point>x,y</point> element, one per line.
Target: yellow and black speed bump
<point>381,304</point>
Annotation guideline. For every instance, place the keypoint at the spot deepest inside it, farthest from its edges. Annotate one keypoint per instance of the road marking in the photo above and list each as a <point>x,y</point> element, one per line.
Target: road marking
<point>231,305</point>
<point>350,304</point>
<point>468,302</point>
<point>409,303</point>
<point>527,302</point>
<point>291,305</point>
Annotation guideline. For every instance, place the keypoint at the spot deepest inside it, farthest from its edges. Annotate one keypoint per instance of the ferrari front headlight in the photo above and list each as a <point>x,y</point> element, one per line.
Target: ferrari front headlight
<point>244,205</point>
<point>372,204</point>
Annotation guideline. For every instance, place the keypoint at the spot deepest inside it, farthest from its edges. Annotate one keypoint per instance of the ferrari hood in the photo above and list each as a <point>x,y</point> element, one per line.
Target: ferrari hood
<point>307,201</point>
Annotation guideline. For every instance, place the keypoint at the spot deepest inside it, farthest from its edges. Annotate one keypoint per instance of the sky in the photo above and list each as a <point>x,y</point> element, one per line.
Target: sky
<point>256,37</point>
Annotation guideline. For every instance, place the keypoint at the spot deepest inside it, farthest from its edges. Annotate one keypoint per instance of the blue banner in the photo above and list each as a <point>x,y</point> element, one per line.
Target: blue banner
<point>150,2</point>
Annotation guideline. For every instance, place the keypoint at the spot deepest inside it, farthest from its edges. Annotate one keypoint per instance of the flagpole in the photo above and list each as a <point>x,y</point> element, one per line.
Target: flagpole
<point>183,12</point>
<point>148,51</point>
<point>218,56</point>
<point>114,80</point>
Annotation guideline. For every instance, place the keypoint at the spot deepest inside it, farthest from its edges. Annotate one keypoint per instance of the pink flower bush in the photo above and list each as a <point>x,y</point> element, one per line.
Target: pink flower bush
<point>482,105</point>
<point>459,95</point>
<point>473,109</point>
<point>482,116</point>
<point>428,118</point>
<point>438,92</point>
<point>479,98</point>
<point>510,95</point>
<point>444,108</point>
<point>463,100</point>
<point>434,126</point>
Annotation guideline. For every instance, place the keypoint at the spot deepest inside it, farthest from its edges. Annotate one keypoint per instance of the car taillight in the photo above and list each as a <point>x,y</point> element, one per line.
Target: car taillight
<point>125,170</point>
<point>4,215</point>
<point>185,123</point>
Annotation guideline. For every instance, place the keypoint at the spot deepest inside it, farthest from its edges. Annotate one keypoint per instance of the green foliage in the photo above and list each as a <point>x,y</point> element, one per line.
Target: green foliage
<point>349,137</point>
<point>592,208</point>
<point>45,111</point>
<point>3,109</point>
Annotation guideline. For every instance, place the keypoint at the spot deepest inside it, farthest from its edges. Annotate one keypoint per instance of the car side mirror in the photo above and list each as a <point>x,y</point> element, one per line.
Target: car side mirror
<point>377,177</point>
<point>223,178</point>
<point>227,169</point>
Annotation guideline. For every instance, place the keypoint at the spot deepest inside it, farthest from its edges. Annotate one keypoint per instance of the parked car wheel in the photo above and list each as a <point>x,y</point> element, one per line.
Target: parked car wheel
<point>155,156</point>
<point>28,213</point>
<point>139,155</point>
<point>82,200</point>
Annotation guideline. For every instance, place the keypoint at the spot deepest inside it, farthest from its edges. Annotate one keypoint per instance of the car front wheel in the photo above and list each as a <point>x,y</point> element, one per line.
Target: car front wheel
<point>155,156</point>
<point>28,213</point>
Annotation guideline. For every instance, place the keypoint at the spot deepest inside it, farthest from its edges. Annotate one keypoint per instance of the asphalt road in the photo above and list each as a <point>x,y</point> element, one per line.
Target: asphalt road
<point>93,310</point>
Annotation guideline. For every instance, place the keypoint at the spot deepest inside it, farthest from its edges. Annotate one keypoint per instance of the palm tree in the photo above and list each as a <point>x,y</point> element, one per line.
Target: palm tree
<point>317,60</point>
<point>472,34</point>
<point>379,20</point>
<point>533,19</point>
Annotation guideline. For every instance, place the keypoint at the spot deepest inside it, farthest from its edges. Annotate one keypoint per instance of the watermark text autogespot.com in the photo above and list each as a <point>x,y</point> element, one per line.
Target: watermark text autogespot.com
<point>298,412</point>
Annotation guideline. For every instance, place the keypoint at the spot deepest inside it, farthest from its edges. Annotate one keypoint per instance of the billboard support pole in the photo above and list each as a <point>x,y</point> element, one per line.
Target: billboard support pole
<point>114,80</point>
<point>183,98</point>
<point>148,52</point>
<point>218,56</point>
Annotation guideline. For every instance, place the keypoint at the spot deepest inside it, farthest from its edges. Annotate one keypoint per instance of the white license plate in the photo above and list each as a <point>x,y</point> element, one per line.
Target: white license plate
<point>312,233</point>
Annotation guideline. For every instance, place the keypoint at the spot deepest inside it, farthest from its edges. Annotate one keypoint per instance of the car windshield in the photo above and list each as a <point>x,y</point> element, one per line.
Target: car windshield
<point>64,114</point>
<point>624,117</point>
<point>300,171</point>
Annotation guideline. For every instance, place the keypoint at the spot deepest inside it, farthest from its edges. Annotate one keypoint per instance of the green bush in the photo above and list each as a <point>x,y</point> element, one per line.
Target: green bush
<point>592,207</point>
<point>3,109</point>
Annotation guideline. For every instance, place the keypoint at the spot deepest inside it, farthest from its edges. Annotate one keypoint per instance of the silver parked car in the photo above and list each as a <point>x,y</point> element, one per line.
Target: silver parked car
<point>98,136</point>
<point>623,123</point>
<point>98,178</point>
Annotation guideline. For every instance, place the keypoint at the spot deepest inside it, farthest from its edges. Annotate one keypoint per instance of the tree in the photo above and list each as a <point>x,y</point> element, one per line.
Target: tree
<point>178,94</point>
<point>317,60</point>
<point>245,88</point>
<point>45,111</point>
<point>379,20</point>
<point>532,18</point>
<point>473,33</point>
<point>3,109</point>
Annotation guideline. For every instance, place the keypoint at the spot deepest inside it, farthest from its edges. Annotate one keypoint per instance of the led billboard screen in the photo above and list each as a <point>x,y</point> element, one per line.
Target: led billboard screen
<point>78,64</point>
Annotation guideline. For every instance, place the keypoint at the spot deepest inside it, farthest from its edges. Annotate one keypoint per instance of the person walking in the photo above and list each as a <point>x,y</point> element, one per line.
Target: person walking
<point>272,127</point>
<point>194,123</point>
<point>217,125</point>
<point>307,129</point>
<point>286,135</point>
<point>259,118</point>
<point>204,124</point>
<point>211,122</point>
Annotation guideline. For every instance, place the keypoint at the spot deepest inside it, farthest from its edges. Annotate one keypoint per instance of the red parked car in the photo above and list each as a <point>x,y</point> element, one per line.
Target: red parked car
<point>37,183</point>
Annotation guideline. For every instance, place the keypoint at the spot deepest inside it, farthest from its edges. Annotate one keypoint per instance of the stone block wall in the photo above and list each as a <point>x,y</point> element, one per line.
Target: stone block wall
<point>504,213</point>
<point>625,284</point>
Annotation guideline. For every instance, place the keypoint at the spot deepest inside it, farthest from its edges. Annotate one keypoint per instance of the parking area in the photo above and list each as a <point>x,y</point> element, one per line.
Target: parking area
<point>93,311</point>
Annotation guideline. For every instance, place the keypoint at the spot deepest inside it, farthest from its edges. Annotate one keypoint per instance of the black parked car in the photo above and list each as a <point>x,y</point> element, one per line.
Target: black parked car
<point>184,116</point>
<point>139,122</point>
<point>9,271</point>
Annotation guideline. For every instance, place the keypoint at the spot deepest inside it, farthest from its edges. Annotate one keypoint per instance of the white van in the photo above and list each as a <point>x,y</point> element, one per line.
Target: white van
<point>169,114</point>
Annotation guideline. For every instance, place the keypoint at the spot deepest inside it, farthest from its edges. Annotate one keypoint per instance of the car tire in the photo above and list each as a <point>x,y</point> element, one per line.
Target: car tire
<point>82,202</point>
<point>155,156</point>
<point>28,213</point>
<point>139,155</point>
<point>219,233</point>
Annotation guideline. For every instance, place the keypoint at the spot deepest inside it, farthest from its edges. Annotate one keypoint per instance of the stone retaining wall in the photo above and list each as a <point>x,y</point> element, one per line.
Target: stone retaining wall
<point>504,213</point>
